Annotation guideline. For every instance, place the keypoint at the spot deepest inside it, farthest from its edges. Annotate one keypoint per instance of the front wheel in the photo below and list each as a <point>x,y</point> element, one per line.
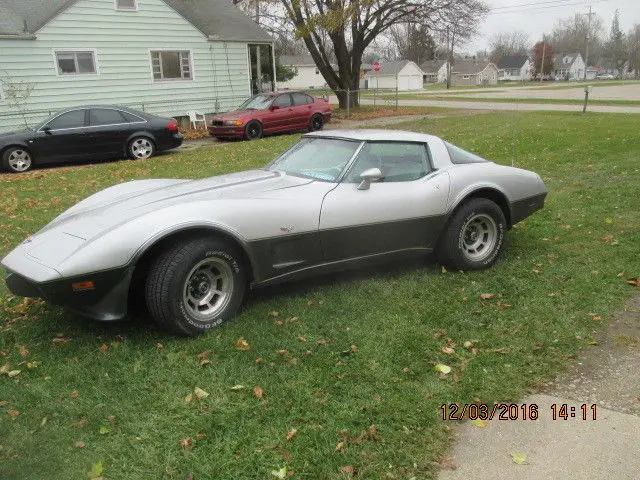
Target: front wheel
<point>253,131</point>
<point>196,285</point>
<point>17,159</point>
<point>474,237</point>
<point>141,148</point>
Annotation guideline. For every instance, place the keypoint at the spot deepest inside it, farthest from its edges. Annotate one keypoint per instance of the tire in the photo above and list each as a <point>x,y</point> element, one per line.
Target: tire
<point>474,237</point>
<point>188,273</point>
<point>253,130</point>
<point>141,148</point>
<point>317,123</point>
<point>17,159</point>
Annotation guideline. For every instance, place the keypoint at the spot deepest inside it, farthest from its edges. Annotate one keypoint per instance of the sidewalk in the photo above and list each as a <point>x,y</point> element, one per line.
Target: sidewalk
<point>607,374</point>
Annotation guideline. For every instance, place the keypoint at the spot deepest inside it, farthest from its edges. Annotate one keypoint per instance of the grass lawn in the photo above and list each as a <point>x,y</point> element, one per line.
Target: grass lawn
<point>345,363</point>
<point>460,98</point>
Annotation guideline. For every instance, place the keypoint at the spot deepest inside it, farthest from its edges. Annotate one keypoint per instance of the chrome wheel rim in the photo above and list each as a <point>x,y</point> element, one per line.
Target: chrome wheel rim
<point>253,131</point>
<point>479,237</point>
<point>207,290</point>
<point>19,160</point>
<point>317,122</point>
<point>141,148</point>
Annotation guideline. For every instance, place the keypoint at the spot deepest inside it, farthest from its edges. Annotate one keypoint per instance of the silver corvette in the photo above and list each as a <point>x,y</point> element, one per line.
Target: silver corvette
<point>334,200</point>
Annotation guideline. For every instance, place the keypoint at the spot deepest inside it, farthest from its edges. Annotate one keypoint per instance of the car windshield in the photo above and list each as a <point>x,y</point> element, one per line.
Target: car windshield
<point>48,119</point>
<point>257,102</point>
<point>318,158</point>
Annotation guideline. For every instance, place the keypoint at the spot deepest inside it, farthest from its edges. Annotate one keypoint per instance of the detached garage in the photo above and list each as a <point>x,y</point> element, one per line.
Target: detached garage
<point>406,73</point>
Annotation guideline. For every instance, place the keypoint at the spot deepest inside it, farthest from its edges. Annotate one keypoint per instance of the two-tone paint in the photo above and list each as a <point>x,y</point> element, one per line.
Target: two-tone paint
<point>285,226</point>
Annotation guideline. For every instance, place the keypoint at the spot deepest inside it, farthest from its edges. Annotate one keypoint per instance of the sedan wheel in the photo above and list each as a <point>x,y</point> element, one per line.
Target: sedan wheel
<point>17,160</point>
<point>317,122</point>
<point>141,148</point>
<point>195,285</point>
<point>253,131</point>
<point>474,236</point>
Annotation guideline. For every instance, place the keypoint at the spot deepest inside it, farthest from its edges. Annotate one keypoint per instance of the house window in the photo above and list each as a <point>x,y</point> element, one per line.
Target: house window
<point>126,5</point>
<point>317,71</point>
<point>465,77</point>
<point>75,63</point>
<point>171,65</point>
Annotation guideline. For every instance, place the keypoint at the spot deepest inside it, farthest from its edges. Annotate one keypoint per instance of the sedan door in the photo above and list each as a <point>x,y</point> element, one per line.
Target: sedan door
<point>280,118</point>
<point>108,130</point>
<point>302,109</point>
<point>402,212</point>
<point>63,138</point>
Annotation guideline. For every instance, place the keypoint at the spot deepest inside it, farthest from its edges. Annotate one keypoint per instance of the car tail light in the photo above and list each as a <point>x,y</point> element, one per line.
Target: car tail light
<point>172,126</point>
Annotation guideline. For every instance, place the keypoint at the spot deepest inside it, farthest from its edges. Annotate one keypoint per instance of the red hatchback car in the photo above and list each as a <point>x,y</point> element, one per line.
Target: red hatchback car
<point>272,113</point>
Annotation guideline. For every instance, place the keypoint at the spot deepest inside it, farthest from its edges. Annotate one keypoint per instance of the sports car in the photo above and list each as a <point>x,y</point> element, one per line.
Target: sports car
<point>335,199</point>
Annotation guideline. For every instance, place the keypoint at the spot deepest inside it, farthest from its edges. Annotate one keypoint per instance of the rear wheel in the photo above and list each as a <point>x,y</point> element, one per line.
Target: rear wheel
<point>474,237</point>
<point>141,148</point>
<point>17,159</point>
<point>253,130</point>
<point>317,122</point>
<point>195,285</point>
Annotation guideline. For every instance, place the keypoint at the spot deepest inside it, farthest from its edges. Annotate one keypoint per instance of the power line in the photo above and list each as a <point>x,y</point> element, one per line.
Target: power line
<point>559,2</point>
<point>533,9</point>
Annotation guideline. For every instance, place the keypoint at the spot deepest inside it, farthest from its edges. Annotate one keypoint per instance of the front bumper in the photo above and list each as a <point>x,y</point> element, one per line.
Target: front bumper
<point>107,301</point>
<point>231,131</point>
<point>523,208</point>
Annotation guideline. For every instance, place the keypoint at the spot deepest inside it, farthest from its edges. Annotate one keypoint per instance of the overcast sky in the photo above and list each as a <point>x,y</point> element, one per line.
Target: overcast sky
<point>536,17</point>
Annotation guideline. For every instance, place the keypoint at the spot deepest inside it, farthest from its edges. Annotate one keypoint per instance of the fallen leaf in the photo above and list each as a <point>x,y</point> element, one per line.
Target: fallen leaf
<point>441,368</point>
<point>80,423</point>
<point>24,352</point>
<point>103,430</point>
<point>277,322</point>
<point>258,392</point>
<point>291,433</point>
<point>340,447</point>
<point>13,373</point>
<point>607,239</point>
<point>242,344</point>
<point>97,469</point>
<point>79,444</point>
<point>443,270</point>
<point>635,282</point>
<point>592,341</point>
<point>74,394</point>
<point>282,473</point>
<point>321,341</point>
<point>503,305</point>
<point>200,436</point>
<point>4,403</point>
<point>273,314</point>
<point>33,364</point>
<point>596,318</point>
<point>259,360</point>
<point>282,352</point>
<point>486,296</point>
<point>310,302</point>
<point>519,457</point>
<point>480,423</point>
<point>446,463</point>
<point>203,355</point>
<point>292,319</point>
<point>159,346</point>
<point>186,443</point>
<point>200,394</point>
<point>468,345</point>
<point>302,339</point>
<point>104,347</point>
<point>348,469</point>
<point>235,388</point>
<point>115,344</point>
<point>448,350</point>
<point>60,340</point>
<point>13,413</point>
<point>188,398</point>
<point>439,334</point>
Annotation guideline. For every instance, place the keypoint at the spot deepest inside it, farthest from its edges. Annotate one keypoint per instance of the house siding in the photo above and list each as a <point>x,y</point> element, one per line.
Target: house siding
<point>306,78</point>
<point>122,41</point>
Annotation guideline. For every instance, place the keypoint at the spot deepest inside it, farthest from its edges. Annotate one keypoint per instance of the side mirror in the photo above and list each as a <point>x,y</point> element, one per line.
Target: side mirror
<point>368,176</point>
<point>274,107</point>
<point>47,129</point>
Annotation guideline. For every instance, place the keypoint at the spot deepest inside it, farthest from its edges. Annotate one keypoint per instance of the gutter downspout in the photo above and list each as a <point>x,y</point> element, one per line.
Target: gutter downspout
<point>273,66</point>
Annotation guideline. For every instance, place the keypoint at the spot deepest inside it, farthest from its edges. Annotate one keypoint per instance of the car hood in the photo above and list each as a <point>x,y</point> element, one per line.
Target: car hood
<point>122,203</point>
<point>14,134</point>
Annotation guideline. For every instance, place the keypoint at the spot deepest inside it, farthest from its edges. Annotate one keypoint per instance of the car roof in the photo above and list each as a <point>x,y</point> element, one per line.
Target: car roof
<point>116,107</point>
<point>374,135</point>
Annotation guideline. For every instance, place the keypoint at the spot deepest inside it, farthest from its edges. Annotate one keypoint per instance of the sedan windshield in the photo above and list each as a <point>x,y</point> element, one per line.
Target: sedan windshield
<point>319,158</point>
<point>257,102</point>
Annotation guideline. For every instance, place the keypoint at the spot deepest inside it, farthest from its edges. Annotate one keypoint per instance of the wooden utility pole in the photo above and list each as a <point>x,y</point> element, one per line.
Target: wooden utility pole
<point>544,49</point>
<point>586,48</point>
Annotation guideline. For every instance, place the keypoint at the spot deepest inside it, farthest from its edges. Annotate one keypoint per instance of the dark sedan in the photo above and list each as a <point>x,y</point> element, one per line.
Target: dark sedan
<point>86,133</point>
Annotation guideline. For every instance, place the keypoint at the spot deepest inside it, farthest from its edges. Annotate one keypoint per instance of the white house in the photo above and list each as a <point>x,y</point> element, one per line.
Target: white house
<point>513,68</point>
<point>403,73</point>
<point>435,71</point>
<point>308,76</point>
<point>568,67</point>
<point>162,56</point>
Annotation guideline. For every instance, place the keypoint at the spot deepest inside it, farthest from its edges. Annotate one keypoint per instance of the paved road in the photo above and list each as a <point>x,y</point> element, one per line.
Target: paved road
<point>572,449</point>
<point>488,105</point>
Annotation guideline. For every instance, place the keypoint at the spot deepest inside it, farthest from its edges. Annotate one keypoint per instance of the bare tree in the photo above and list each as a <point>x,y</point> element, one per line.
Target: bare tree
<point>347,27</point>
<point>17,93</point>
<point>413,42</point>
<point>508,43</point>
<point>570,35</point>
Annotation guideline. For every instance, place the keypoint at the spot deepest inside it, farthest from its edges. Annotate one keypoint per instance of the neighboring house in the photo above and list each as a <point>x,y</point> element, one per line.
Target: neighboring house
<point>435,71</point>
<point>307,77</point>
<point>568,67</point>
<point>513,68</point>
<point>592,72</point>
<point>474,72</point>
<point>163,56</point>
<point>403,73</point>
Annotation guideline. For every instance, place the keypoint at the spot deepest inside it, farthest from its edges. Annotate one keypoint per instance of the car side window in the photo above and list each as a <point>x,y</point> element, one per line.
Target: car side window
<point>131,118</point>
<point>299,99</point>
<point>283,101</point>
<point>309,98</point>
<point>398,161</point>
<point>105,116</point>
<point>72,119</point>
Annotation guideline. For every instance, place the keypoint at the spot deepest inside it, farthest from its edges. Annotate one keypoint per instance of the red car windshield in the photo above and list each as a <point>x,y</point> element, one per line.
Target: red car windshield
<point>257,102</point>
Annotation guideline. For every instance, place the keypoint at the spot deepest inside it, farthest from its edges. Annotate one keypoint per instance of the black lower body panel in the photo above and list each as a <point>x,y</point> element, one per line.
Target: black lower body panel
<point>521,209</point>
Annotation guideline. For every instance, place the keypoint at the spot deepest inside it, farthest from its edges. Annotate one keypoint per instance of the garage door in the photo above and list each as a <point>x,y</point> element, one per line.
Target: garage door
<point>415,82</point>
